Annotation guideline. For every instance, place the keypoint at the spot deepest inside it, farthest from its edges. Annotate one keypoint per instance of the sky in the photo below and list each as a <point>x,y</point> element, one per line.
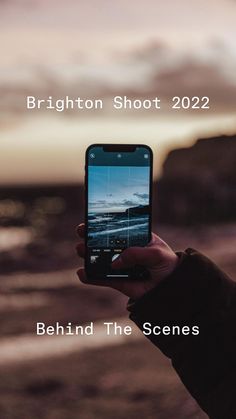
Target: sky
<point>101,49</point>
<point>125,186</point>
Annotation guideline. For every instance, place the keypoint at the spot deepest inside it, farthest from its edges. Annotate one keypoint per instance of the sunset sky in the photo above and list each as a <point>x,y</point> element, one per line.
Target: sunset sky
<point>101,49</point>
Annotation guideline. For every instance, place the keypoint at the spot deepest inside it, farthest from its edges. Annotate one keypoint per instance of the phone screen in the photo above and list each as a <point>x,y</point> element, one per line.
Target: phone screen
<point>118,204</point>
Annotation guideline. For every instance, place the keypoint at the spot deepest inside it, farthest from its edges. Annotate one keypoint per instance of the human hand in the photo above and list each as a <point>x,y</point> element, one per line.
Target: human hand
<point>157,257</point>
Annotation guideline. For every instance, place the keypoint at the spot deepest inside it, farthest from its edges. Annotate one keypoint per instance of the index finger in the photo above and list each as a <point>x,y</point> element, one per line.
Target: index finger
<point>80,230</point>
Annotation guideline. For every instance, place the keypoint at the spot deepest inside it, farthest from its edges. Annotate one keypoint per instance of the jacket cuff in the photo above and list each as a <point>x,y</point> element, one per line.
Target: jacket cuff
<point>197,285</point>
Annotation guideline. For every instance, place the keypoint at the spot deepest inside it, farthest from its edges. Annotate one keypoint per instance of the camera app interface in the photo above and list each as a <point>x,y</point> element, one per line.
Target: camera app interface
<point>118,205</point>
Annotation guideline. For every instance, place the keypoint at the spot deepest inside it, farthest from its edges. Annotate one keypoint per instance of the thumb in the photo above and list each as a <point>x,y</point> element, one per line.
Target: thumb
<point>145,256</point>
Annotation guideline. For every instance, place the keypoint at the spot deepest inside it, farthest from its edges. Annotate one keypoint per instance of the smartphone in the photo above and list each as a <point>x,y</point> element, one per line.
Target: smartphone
<point>118,202</point>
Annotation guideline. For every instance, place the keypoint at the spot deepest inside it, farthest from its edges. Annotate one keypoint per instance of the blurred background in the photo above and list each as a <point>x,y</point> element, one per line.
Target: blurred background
<point>98,49</point>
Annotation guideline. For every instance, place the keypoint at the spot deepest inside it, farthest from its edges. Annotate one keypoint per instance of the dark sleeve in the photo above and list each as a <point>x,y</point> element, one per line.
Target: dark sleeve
<point>198,294</point>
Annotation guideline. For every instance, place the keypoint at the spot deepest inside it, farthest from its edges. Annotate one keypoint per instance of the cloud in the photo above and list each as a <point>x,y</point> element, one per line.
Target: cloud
<point>153,69</point>
<point>143,196</point>
<point>98,204</point>
<point>165,73</point>
<point>194,78</point>
<point>114,204</point>
<point>206,71</point>
<point>128,203</point>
